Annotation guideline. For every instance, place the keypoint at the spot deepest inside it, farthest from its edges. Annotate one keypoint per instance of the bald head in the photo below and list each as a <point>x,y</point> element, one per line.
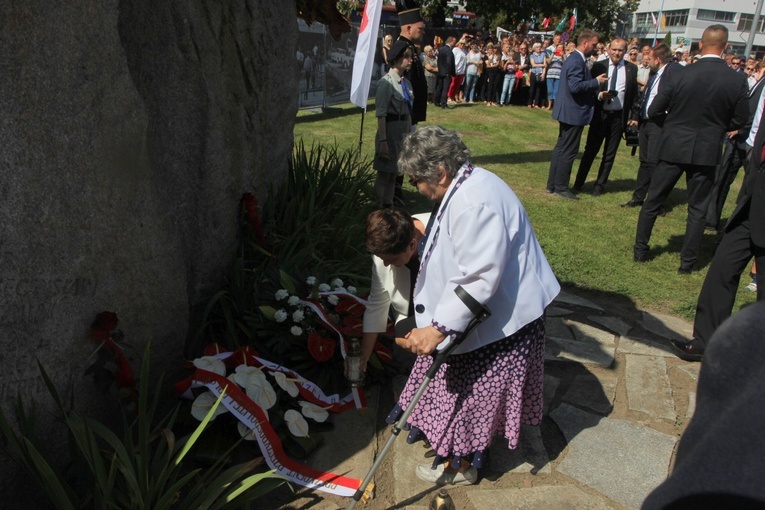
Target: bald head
<point>714,40</point>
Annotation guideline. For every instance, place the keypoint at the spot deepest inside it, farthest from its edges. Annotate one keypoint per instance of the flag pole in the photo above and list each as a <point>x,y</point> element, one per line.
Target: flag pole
<point>658,24</point>
<point>361,130</point>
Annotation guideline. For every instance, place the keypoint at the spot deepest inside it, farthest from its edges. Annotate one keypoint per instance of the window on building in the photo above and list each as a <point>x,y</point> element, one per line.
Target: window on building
<point>677,18</point>
<point>745,23</point>
<point>709,15</point>
<point>644,19</point>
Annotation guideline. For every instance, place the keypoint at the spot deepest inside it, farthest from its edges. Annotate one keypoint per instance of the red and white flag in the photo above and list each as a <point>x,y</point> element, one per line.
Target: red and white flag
<point>364,58</point>
<point>653,19</point>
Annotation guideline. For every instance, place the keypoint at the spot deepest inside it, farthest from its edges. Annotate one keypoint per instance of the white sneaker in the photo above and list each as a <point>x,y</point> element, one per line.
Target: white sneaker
<point>442,477</point>
<point>752,287</point>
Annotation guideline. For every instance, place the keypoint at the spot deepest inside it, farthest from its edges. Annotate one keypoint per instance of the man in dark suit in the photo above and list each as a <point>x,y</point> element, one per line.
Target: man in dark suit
<point>661,65</point>
<point>573,110</point>
<point>412,32</point>
<point>703,101</point>
<point>446,71</point>
<point>744,238</point>
<point>613,112</point>
<point>734,157</point>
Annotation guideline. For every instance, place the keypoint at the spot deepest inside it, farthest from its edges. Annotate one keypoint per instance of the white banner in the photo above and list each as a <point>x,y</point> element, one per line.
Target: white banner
<point>364,58</point>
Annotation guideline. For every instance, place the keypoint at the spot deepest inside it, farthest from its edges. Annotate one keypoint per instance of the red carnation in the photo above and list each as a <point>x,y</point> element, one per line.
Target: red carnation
<point>250,204</point>
<point>107,320</point>
<point>321,348</point>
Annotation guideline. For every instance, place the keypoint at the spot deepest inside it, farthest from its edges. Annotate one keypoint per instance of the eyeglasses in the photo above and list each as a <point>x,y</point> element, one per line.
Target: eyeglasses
<point>414,181</point>
<point>750,69</point>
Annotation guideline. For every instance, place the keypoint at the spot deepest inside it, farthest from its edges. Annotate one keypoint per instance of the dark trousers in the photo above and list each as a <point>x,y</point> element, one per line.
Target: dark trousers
<point>650,134</point>
<point>699,180</point>
<point>537,90</point>
<point>605,126</point>
<point>733,158</point>
<point>442,87</point>
<point>721,283</point>
<point>563,155</point>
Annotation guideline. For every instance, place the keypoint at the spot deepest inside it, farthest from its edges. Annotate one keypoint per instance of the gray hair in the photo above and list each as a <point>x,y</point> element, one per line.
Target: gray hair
<point>428,148</point>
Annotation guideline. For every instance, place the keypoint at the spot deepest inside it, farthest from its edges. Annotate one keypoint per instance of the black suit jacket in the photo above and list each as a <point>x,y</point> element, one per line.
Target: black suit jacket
<point>416,76</point>
<point>637,107</point>
<point>703,101</point>
<point>445,59</point>
<point>751,203</point>
<point>630,87</point>
<point>754,98</point>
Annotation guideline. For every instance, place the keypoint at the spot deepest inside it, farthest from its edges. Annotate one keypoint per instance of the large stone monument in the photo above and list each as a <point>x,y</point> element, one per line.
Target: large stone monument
<point>128,131</point>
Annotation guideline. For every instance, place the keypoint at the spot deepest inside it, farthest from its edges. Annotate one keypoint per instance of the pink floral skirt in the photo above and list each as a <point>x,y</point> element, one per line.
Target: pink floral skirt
<point>477,395</point>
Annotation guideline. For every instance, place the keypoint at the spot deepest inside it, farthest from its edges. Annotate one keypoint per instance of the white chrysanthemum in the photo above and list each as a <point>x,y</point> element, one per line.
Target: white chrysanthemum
<point>246,376</point>
<point>202,405</point>
<point>337,282</point>
<point>313,411</point>
<point>282,294</point>
<point>288,386</point>
<point>293,301</point>
<point>298,315</point>
<point>262,393</point>
<point>296,330</point>
<point>351,289</point>
<point>333,299</point>
<point>280,315</point>
<point>210,364</point>
<point>323,287</point>
<point>296,423</point>
<point>310,280</point>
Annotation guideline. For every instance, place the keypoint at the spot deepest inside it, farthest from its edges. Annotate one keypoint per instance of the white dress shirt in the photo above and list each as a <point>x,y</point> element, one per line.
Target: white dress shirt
<point>654,87</point>
<point>756,121</point>
<point>621,83</point>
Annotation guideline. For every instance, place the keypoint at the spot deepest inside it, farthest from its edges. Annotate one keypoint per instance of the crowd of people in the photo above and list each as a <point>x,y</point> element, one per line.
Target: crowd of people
<point>682,106</point>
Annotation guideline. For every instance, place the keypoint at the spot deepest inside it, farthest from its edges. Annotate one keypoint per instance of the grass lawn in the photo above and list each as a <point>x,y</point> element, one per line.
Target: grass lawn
<point>588,242</point>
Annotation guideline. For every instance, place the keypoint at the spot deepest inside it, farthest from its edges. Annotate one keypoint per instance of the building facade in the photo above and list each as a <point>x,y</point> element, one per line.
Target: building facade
<point>687,19</point>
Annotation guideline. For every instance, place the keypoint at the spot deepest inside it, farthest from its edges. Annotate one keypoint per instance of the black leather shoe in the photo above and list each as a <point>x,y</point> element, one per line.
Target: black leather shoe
<point>567,194</point>
<point>662,211</point>
<point>684,270</point>
<point>549,190</point>
<point>576,189</point>
<point>688,351</point>
<point>633,203</point>
<point>640,258</point>
<point>597,192</point>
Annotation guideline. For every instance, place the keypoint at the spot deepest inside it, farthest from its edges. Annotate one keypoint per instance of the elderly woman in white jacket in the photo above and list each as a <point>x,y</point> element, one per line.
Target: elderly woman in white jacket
<point>481,239</point>
<point>392,236</point>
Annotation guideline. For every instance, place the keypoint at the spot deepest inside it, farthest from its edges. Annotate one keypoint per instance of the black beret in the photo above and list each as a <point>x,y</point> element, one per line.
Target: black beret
<point>396,50</point>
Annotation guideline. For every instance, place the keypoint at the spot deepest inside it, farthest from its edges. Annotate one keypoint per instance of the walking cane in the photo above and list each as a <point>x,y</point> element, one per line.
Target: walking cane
<point>480,314</point>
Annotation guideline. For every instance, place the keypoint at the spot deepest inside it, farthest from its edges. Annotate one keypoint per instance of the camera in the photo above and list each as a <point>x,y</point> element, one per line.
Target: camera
<point>631,136</point>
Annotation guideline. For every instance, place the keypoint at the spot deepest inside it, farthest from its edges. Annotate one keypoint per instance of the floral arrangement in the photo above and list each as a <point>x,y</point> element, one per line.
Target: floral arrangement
<point>311,334</point>
<point>110,365</point>
<point>271,404</point>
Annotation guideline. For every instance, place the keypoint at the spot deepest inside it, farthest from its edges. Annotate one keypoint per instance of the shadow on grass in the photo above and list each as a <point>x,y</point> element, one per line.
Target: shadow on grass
<point>540,156</point>
<point>320,114</point>
<point>707,249</point>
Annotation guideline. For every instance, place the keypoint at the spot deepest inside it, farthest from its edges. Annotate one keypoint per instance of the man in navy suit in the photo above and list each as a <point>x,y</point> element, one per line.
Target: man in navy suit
<point>573,110</point>
<point>703,102</point>
<point>613,112</point>
<point>744,238</point>
<point>446,71</point>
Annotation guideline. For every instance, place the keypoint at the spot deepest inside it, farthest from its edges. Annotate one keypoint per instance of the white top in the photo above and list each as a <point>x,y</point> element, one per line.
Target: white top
<point>485,244</point>
<point>390,286</point>
<point>460,60</point>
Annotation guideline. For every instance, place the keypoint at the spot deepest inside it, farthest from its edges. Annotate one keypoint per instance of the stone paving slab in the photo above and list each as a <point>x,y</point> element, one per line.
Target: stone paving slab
<point>571,299</point>
<point>596,393</point>
<point>648,387</point>
<point>667,326</point>
<point>691,406</point>
<point>614,324</point>
<point>576,341</point>
<point>643,346</point>
<point>554,311</point>
<point>621,460</point>
<point>550,387</point>
<point>529,457</point>
<point>692,369</point>
<point>538,498</point>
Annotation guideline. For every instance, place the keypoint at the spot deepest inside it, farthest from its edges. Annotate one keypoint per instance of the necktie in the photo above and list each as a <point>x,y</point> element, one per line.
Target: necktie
<point>647,95</point>
<point>613,78</point>
<point>407,98</point>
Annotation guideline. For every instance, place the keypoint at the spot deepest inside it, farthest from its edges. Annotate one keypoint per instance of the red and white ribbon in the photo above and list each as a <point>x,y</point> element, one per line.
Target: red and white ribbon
<point>249,413</point>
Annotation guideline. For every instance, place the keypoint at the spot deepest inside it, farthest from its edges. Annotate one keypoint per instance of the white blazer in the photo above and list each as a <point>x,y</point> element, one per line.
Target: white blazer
<point>486,244</point>
<point>390,286</point>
